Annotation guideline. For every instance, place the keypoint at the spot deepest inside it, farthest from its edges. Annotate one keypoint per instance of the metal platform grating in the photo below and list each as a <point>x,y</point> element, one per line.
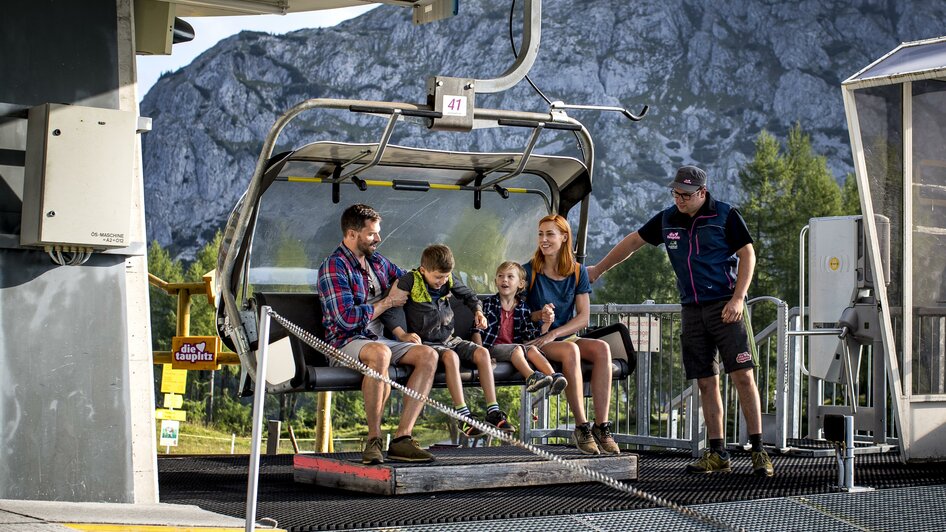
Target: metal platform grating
<point>218,484</point>
<point>920,509</point>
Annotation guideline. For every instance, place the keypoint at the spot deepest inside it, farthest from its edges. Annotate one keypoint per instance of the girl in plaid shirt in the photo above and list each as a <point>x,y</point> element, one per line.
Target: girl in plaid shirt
<point>509,327</point>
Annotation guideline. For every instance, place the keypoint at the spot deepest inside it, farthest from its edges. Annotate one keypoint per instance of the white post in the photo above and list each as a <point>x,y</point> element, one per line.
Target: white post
<point>232,442</point>
<point>259,395</point>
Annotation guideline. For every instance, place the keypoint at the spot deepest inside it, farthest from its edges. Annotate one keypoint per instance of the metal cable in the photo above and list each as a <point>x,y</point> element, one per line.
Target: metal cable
<point>347,361</point>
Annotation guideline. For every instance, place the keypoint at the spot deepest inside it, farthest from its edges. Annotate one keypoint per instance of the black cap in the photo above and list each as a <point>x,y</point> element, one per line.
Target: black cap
<point>689,179</point>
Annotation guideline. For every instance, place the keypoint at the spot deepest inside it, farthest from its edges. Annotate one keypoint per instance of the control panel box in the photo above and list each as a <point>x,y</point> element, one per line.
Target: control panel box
<point>77,190</point>
<point>834,271</point>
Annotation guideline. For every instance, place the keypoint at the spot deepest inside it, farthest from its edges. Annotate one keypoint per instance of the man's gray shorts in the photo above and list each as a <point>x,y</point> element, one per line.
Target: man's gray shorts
<point>354,347</point>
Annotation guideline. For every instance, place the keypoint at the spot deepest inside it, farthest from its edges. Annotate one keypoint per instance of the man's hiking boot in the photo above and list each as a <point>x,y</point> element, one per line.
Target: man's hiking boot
<point>559,382</point>
<point>407,450</point>
<point>584,440</point>
<point>498,418</point>
<point>602,435</point>
<point>374,452</point>
<point>710,462</point>
<point>762,465</point>
<point>537,381</point>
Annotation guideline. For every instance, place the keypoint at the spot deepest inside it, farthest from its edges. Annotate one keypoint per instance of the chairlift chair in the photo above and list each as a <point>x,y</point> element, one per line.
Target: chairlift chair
<point>286,223</point>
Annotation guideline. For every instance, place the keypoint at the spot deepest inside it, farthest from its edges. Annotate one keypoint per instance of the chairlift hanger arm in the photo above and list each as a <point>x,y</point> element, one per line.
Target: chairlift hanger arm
<point>531,36</point>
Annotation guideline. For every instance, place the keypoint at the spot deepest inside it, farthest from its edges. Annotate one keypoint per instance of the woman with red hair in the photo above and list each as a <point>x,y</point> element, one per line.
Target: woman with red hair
<point>558,290</point>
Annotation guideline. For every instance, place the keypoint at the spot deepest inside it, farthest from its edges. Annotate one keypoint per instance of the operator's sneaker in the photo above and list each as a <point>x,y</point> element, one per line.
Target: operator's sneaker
<point>762,465</point>
<point>584,440</point>
<point>498,418</point>
<point>710,462</point>
<point>470,430</point>
<point>374,452</point>
<point>559,382</point>
<point>602,435</point>
<point>537,381</point>
<point>407,450</point>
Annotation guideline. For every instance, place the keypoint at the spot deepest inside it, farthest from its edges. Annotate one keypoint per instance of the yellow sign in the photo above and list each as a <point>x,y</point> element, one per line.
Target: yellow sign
<point>176,415</point>
<point>834,264</point>
<point>194,352</point>
<point>173,380</point>
<point>173,400</point>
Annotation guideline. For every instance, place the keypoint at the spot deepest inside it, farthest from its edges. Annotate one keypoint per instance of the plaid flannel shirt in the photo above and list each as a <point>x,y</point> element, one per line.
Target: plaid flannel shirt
<point>343,290</point>
<point>523,328</point>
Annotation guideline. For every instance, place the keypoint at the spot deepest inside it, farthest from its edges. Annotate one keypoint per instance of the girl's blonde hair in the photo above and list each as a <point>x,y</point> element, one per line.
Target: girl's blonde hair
<point>566,258</point>
<point>510,265</point>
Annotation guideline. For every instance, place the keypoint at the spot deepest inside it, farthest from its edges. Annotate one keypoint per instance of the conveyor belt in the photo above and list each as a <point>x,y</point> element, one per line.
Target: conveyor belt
<point>218,484</point>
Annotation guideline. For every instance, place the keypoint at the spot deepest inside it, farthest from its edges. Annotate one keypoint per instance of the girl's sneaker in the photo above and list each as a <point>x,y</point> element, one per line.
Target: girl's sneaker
<point>537,381</point>
<point>559,382</point>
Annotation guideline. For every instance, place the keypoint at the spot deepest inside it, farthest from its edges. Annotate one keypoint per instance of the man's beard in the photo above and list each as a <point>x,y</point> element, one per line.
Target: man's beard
<point>366,250</point>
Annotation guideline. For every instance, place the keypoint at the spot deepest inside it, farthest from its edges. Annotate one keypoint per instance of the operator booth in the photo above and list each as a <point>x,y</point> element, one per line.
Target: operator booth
<point>881,277</point>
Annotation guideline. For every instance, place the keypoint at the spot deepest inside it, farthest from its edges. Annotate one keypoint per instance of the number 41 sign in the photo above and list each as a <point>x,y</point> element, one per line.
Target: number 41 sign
<point>454,105</point>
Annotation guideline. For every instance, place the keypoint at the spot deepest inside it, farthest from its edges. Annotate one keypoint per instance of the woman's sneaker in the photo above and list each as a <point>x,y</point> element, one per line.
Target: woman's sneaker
<point>584,439</point>
<point>559,382</point>
<point>407,450</point>
<point>602,435</point>
<point>537,381</point>
<point>498,418</point>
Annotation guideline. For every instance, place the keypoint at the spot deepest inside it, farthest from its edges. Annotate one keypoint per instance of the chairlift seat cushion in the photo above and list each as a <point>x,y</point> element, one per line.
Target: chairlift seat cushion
<point>313,373</point>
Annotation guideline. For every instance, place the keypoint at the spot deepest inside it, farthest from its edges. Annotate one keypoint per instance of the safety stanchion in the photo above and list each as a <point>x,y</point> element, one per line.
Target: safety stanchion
<point>259,396</point>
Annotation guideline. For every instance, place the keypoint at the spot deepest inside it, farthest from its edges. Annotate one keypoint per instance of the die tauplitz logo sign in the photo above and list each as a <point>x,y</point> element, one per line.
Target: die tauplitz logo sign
<point>194,352</point>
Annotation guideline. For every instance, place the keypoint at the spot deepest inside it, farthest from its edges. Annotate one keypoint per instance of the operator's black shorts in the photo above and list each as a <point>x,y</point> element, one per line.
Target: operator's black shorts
<point>703,334</point>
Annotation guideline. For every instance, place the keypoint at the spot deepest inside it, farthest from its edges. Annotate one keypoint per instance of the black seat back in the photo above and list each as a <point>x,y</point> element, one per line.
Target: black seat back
<point>302,309</point>
<point>462,319</point>
<point>623,354</point>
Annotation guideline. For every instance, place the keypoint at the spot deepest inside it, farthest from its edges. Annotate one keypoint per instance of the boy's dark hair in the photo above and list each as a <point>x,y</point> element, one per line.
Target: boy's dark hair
<point>437,258</point>
<point>354,217</point>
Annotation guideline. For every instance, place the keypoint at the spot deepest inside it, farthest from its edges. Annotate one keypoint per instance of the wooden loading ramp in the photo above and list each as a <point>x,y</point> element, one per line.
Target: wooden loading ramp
<point>458,469</point>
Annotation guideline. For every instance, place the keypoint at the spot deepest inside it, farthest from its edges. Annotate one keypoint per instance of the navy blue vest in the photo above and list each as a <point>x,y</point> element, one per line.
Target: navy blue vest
<point>701,258</point>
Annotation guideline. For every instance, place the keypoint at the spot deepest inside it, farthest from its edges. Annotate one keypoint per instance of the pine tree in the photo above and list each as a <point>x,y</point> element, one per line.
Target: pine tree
<point>647,275</point>
<point>163,306</point>
<point>850,201</point>
<point>202,314</point>
<point>784,189</point>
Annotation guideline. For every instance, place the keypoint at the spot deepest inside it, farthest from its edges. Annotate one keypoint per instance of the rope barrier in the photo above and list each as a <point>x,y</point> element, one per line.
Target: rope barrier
<point>347,361</point>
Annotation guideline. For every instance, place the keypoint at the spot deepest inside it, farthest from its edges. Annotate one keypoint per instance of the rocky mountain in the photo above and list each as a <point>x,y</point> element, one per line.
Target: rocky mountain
<point>714,73</point>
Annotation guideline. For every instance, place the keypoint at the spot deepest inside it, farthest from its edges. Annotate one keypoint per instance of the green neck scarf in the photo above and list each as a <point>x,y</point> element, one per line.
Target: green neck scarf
<point>419,292</point>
